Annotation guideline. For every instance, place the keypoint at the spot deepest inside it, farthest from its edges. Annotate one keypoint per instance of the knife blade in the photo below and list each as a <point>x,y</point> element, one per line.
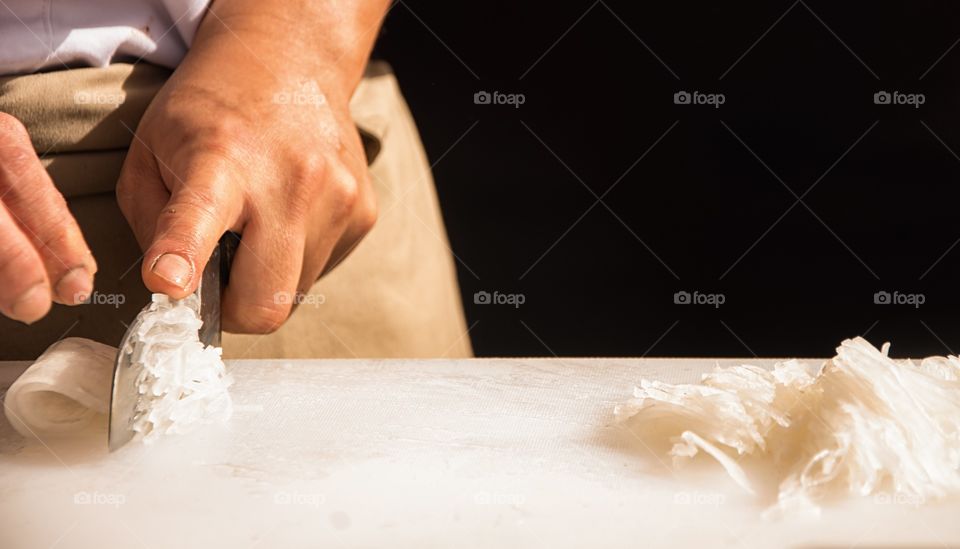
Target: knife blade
<point>125,394</point>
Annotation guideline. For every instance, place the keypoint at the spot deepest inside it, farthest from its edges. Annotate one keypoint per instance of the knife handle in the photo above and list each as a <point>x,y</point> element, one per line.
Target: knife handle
<point>229,243</point>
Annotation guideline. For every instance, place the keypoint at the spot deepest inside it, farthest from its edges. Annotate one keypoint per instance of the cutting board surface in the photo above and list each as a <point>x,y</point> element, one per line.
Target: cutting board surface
<point>415,453</point>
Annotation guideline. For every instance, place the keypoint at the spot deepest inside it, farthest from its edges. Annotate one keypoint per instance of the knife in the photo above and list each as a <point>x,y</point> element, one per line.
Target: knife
<point>125,394</point>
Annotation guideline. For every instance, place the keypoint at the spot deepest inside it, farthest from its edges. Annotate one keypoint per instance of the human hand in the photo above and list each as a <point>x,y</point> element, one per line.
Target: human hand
<point>268,151</point>
<point>43,255</point>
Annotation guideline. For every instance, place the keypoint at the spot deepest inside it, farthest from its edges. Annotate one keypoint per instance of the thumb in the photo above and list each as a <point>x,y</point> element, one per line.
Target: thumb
<point>202,207</point>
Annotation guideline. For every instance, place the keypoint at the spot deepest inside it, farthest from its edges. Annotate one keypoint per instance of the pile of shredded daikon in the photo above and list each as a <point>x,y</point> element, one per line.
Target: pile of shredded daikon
<point>183,384</point>
<point>861,424</point>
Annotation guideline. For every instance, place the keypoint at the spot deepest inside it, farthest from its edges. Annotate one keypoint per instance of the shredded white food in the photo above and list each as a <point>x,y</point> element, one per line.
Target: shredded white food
<point>183,384</point>
<point>862,424</point>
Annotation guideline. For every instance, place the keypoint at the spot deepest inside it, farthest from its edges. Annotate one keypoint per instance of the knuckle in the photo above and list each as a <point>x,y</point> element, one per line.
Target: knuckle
<point>367,214</point>
<point>53,234</point>
<point>18,263</point>
<point>310,168</point>
<point>306,176</point>
<point>13,253</point>
<point>262,319</point>
<point>346,196</point>
<point>28,195</point>
<point>194,207</point>
<point>348,192</point>
<point>201,199</point>
<point>48,223</point>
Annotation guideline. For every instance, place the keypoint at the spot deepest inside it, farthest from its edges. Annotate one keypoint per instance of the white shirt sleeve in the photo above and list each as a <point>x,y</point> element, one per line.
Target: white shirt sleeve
<point>51,34</point>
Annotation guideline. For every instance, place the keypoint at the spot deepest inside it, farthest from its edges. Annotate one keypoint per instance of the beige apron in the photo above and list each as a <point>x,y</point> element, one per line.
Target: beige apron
<point>396,295</point>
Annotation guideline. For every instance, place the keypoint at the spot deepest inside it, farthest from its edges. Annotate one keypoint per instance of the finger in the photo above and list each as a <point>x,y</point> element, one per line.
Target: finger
<point>203,205</point>
<point>35,204</point>
<point>141,193</point>
<point>263,279</point>
<point>24,286</point>
<point>355,212</point>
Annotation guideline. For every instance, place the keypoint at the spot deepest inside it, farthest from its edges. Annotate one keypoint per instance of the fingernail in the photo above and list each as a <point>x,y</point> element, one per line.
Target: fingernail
<point>174,269</point>
<point>74,287</point>
<point>32,305</point>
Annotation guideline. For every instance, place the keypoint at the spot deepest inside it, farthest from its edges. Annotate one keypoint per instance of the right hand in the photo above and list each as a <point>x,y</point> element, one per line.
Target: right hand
<point>43,255</point>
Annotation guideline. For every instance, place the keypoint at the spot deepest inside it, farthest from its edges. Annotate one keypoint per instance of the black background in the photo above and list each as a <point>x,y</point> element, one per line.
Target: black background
<point>519,186</point>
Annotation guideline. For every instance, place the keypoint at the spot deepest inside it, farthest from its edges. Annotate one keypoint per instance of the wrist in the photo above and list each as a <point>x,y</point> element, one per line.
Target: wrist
<point>290,42</point>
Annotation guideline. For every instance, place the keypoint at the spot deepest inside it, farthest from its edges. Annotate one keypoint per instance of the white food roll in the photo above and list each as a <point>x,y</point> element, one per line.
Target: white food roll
<point>182,383</point>
<point>63,391</point>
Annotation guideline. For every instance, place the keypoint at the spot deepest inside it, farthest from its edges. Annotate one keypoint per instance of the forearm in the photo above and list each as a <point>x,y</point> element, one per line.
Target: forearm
<point>326,40</point>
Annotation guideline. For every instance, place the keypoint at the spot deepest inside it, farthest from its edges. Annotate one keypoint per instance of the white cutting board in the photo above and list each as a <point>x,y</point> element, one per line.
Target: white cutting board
<point>420,453</point>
